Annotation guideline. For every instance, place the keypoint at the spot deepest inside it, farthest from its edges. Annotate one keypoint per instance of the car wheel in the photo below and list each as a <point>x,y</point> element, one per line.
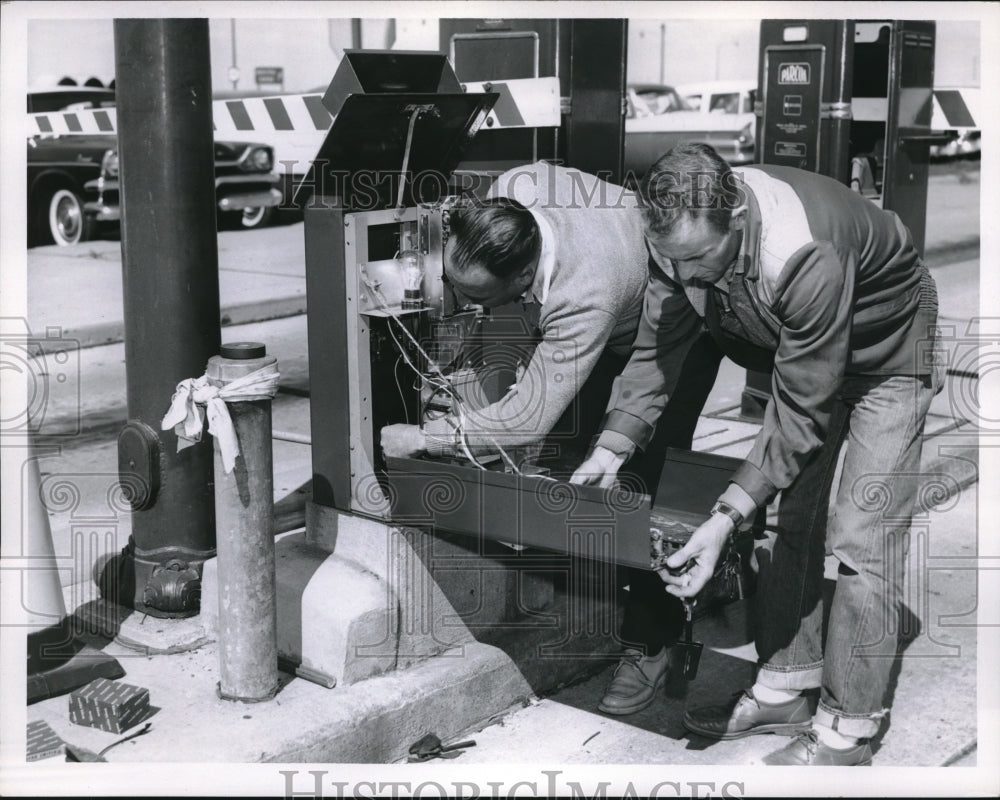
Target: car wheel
<point>67,224</point>
<point>256,217</point>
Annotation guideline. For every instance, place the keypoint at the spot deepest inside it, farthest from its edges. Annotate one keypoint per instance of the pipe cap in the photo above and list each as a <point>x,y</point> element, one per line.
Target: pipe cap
<point>243,351</point>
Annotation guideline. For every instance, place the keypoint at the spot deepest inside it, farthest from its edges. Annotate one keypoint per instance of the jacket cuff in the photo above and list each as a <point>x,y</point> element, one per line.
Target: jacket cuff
<point>617,443</point>
<point>440,437</point>
<point>755,483</point>
<point>630,426</point>
<point>738,497</point>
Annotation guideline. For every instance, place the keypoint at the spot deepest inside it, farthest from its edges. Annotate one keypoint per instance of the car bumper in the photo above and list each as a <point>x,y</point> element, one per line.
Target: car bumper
<point>254,199</point>
<point>101,211</point>
<point>232,193</point>
<point>643,148</point>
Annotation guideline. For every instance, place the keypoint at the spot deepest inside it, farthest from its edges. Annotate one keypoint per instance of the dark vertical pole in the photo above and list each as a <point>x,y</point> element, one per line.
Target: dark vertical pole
<point>327,321</point>
<point>595,129</point>
<point>171,293</point>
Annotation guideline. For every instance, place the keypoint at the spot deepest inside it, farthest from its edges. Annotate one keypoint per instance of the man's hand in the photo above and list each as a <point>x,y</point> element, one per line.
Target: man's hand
<point>601,468</point>
<point>701,554</point>
<point>402,441</point>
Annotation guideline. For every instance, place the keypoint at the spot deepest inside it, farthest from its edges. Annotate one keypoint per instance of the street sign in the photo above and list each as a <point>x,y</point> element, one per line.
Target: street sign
<point>269,75</point>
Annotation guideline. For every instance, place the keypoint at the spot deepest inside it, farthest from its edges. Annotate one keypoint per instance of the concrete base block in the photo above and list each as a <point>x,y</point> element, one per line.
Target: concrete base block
<point>368,607</point>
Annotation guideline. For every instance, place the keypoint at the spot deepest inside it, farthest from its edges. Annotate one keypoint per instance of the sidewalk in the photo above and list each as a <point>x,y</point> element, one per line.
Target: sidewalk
<point>79,288</point>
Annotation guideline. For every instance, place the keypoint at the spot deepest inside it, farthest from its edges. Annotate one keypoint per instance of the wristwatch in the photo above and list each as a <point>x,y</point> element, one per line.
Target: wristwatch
<point>725,509</point>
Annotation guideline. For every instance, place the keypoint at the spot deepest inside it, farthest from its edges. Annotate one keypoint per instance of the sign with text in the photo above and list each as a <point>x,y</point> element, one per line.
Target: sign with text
<point>793,93</point>
<point>269,75</point>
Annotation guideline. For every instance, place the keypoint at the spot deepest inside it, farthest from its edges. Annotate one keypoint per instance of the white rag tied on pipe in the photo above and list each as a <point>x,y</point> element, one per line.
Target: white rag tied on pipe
<point>187,418</point>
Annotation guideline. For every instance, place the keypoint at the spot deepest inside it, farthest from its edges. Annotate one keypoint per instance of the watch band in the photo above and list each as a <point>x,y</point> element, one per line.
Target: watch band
<point>722,507</point>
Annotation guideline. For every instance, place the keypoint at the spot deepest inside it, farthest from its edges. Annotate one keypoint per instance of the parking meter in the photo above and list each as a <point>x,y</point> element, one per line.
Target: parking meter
<point>851,99</point>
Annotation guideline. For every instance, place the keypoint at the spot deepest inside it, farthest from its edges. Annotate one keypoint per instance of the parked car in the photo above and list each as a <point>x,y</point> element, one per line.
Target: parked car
<point>60,166</point>
<point>657,118</point>
<point>245,186</point>
<point>294,150</point>
<point>73,179</point>
<point>720,97</point>
<point>967,144</point>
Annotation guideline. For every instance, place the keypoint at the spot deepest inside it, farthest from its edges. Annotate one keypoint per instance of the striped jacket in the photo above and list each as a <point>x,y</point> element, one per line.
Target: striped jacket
<point>839,285</point>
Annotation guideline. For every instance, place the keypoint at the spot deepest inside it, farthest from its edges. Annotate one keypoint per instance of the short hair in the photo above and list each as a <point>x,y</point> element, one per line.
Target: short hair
<point>690,179</point>
<point>498,234</point>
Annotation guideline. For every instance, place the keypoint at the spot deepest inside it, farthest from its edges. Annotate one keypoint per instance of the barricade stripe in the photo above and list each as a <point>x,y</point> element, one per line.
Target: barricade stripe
<point>262,116</point>
<point>73,123</point>
<point>276,108</point>
<point>302,121</point>
<point>239,114</point>
<point>955,109</point>
<point>321,118</point>
<point>104,123</point>
<point>43,123</point>
<point>506,107</point>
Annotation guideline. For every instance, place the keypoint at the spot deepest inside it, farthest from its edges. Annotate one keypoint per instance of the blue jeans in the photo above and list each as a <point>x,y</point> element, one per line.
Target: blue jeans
<point>882,420</point>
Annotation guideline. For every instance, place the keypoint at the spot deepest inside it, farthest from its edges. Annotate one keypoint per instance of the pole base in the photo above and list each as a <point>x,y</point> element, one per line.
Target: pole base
<point>166,590</point>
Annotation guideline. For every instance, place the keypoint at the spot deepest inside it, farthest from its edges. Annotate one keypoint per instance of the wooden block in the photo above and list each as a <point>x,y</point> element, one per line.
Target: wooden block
<point>43,742</point>
<point>109,705</point>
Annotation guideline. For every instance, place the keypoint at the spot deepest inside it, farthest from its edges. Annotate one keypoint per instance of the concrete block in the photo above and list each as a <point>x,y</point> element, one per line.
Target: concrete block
<point>366,607</point>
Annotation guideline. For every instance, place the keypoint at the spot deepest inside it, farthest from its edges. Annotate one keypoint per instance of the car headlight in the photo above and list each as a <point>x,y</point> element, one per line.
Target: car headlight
<point>746,135</point>
<point>109,164</point>
<point>259,159</point>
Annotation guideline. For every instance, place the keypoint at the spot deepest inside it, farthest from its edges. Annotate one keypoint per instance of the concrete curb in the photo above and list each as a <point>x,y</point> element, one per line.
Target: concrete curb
<point>104,333</point>
<point>372,721</point>
<point>113,332</point>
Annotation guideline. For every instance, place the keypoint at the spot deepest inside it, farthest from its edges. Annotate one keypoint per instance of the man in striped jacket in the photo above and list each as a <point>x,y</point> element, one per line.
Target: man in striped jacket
<point>569,247</point>
<point>793,271</point>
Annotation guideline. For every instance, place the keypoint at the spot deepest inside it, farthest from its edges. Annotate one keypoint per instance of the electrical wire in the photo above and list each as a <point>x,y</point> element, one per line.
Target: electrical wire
<point>399,388</point>
<point>439,381</point>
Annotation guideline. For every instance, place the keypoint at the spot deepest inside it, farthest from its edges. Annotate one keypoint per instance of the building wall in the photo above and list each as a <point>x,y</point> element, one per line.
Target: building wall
<point>309,51</point>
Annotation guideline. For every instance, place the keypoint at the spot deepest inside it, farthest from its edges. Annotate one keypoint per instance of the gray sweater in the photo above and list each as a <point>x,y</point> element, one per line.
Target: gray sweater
<point>593,301</point>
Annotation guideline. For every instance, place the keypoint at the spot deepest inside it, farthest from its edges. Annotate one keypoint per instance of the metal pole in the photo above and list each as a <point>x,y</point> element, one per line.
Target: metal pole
<point>234,70</point>
<point>171,296</point>
<point>244,502</point>
<point>663,52</point>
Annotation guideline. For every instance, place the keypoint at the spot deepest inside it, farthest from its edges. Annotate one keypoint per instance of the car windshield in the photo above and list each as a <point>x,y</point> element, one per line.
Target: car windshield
<point>660,100</point>
<point>727,103</point>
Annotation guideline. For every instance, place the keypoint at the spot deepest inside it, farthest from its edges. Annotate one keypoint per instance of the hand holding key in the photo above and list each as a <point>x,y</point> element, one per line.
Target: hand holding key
<point>698,557</point>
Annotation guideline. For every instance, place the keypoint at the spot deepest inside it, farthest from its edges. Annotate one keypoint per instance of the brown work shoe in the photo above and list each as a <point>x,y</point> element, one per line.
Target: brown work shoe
<point>745,715</point>
<point>635,682</point>
<point>808,751</point>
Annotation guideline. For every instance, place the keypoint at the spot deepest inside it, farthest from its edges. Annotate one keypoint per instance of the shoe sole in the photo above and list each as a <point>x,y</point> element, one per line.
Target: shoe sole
<point>767,763</point>
<point>781,728</point>
<point>624,712</point>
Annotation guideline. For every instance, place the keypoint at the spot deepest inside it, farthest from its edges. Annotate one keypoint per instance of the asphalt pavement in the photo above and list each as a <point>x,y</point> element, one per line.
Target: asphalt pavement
<point>75,294</point>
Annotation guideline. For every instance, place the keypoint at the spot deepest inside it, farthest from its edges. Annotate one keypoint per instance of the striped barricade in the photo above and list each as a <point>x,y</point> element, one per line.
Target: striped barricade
<point>525,103</point>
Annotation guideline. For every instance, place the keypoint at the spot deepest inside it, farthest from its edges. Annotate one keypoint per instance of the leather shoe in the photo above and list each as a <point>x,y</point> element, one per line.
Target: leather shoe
<point>748,716</point>
<point>808,751</point>
<point>635,682</point>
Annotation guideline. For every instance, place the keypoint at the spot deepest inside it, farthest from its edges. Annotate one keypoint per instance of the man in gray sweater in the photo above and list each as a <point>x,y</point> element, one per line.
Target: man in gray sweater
<point>571,247</point>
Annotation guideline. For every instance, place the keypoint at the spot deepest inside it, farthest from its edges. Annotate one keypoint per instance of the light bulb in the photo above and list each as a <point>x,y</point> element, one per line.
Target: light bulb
<point>411,268</point>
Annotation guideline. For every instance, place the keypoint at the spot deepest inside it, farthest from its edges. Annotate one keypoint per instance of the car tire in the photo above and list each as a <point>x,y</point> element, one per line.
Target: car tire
<point>247,219</point>
<point>258,217</point>
<point>65,221</point>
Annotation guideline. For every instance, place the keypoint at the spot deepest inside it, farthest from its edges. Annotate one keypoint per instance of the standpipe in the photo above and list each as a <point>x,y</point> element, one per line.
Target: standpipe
<point>235,394</point>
